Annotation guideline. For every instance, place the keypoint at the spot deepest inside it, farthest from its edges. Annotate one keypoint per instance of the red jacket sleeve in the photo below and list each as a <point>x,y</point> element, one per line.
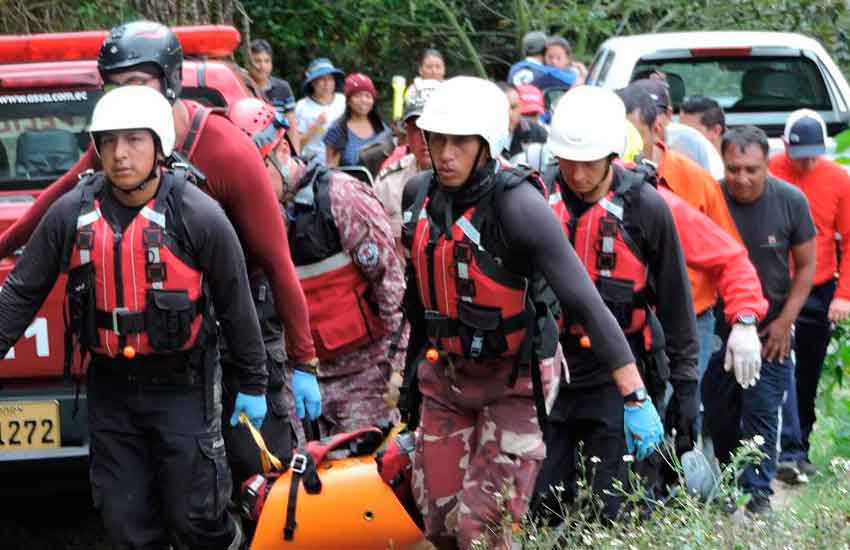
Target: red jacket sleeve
<point>710,249</point>
<point>237,179</point>
<point>842,227</point>
<point>19,232</point>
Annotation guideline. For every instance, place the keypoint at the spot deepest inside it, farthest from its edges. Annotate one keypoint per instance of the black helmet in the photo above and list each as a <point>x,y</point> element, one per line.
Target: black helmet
<point>534,43</point>
<point>142,42</point>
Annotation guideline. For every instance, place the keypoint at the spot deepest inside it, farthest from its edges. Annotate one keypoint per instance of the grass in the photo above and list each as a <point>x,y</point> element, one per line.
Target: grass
<point>817,515</point>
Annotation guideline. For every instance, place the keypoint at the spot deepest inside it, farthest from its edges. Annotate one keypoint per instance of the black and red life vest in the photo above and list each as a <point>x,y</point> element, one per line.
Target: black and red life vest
<point>475,307</point>
<point>342,316</point>
<point>136,291</point>
<point>612,258</point>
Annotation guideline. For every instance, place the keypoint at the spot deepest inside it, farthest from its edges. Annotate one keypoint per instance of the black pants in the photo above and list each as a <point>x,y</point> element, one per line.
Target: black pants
<point>276,430</point>
<point>812,334</point>
<point>592,416</point>
<point>158,466</point>
<point>733,414</point>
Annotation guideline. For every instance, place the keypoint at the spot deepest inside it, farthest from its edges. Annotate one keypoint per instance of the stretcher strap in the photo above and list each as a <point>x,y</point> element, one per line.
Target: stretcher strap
<point>268,460</point>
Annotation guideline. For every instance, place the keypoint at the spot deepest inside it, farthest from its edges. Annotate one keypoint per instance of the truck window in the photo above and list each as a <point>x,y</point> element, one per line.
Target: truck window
<point>606,66</point>
<point>745,84</point>
<point>595,67</point>
<point>42,134</point>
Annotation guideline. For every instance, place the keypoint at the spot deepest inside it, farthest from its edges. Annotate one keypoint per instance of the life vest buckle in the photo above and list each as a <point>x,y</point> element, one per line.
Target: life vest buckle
<point>155,272</point>
<point>477,345</point>
<point>152,237</point>
<point>117,314</point>
<point>463,252</point>
<point>606,260</point>
<point>608,227</point>
<point>85,239</point>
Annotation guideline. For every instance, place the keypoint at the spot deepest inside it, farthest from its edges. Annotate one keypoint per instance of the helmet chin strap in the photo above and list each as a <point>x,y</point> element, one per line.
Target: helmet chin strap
<point>284,171</point>
<point>598,184</point>
<point>141,187</point>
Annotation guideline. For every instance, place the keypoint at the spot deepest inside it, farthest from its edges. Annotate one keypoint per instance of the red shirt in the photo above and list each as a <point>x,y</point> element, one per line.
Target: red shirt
<point>689,181</point>
<point>710,250</point>
<point>827,188</point>
<point>237,179</point>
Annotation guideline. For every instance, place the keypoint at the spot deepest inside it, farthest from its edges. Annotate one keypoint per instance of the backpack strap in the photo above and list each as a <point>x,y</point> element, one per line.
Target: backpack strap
<point>200,115</point>
<point>90,184</point>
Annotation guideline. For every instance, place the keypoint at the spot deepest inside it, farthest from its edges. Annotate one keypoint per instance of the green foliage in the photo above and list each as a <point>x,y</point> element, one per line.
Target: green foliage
<point>832,436</point>
<point>816,517</point>
<point>384,37</point>
<point>97,15</point>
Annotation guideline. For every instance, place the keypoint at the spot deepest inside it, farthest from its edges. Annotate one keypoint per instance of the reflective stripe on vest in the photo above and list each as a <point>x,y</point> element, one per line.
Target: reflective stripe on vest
<point>470,291</point>
<point>605,253</point>
<point>338,260</point>
<point>128,268</point>
<point>343,318</point>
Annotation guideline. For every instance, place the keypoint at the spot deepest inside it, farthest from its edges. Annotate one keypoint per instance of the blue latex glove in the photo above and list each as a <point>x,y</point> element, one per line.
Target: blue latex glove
<point>643,429</point>
<point>254,407</point>
<point>305,389</point>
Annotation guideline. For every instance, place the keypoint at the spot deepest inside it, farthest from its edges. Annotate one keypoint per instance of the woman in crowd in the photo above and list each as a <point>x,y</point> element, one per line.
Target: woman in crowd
<point>359,125</point>
<point>432,66</point>
<point>320,107</point>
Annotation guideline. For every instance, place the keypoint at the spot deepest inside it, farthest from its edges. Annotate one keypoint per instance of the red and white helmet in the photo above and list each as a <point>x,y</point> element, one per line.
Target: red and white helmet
<point>260,121</point>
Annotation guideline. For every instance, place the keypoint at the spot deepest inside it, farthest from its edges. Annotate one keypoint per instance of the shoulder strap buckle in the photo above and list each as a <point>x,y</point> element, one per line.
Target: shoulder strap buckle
<point>86,175</point>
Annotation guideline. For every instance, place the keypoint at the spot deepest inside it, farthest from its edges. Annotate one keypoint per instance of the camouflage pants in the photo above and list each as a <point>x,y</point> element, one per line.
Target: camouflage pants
<point>353,396</point>
<point>478,452</point>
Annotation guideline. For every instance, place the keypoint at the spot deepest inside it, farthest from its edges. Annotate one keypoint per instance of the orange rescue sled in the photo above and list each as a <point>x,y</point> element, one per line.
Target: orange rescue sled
<point>354,507</point>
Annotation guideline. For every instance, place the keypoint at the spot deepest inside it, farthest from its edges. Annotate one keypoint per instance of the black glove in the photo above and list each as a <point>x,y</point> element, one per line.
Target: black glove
<point>682,412</point>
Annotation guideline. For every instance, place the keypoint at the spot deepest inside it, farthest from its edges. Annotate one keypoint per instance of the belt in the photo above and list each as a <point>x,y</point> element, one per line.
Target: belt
<point>123,321</point>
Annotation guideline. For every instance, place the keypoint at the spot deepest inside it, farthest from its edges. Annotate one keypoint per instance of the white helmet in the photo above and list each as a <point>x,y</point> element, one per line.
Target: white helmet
<point>589,124</point>
<point>468,106</point>
<point>132,108</point>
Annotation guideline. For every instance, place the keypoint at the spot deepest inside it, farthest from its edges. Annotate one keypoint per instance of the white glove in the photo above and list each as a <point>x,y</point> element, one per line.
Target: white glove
<point>743,351</point>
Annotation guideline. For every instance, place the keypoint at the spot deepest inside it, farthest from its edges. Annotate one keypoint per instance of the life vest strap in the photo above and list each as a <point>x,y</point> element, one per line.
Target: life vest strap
<point>122,321</point>
<point>439,326</point>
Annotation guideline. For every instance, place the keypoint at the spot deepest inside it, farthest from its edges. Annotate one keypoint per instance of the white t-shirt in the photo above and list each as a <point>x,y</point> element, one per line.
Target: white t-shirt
<point>306,112</point>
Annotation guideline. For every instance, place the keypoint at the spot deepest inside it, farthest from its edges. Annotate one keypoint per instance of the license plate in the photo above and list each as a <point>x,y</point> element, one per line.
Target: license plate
<point>29,425</point>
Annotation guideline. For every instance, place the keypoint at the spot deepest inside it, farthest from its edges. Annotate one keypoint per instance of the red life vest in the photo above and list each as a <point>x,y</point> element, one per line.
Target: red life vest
<point>475,308</point>
<point>133,289</point>
<point>612,258</point>
<point>342,317</point>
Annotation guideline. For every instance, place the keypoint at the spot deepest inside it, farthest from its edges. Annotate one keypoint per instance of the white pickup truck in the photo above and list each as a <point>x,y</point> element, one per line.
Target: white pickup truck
<point>757,77</point>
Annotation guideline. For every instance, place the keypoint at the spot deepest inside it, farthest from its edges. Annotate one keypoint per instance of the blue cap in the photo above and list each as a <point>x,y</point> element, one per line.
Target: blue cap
<point>805,133</point>
<point>320,67</point>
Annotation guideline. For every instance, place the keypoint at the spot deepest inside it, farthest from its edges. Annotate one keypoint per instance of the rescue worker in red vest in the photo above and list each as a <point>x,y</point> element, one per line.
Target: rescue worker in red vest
<point>625,236</point>
<point>344,253</point>
<point>148,53</point>
<point>148,256</point>
<point>476,293</point>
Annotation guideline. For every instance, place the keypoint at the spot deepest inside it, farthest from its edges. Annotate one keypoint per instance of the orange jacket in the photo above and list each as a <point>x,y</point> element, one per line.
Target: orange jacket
<point>827,187</point>
<point>714,254</point>
<point>696,186</point>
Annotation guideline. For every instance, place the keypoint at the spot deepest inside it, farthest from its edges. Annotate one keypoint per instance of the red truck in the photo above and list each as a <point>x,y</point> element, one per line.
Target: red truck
<point>49,84</point>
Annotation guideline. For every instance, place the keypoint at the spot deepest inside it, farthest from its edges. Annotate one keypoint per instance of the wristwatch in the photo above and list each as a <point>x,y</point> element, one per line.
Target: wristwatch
<point>747,319</point>
<point>639,395</point>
